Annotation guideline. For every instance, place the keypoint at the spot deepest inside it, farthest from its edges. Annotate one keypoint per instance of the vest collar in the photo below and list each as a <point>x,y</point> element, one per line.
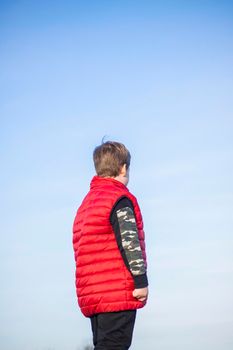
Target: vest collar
<point>102,181</point>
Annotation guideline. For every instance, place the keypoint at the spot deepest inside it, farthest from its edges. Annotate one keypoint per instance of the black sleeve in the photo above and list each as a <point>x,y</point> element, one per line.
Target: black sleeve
<point>124,226</point>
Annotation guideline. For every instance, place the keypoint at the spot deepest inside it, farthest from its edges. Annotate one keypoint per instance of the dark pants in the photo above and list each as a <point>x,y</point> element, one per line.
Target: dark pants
<point>113,330</point>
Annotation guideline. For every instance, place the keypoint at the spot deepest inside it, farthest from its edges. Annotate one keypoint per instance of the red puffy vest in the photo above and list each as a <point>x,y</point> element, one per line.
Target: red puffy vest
<point>103,282</point>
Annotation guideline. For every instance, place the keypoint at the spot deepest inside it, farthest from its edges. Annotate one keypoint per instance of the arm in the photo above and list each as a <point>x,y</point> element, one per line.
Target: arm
<point>124,225</point>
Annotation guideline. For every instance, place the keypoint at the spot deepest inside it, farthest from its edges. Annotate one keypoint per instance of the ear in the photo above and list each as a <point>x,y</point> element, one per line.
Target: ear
<point>123,170</point>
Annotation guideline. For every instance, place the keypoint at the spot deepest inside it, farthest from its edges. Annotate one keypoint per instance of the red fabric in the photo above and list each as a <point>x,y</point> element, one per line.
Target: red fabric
<point>103,283</point>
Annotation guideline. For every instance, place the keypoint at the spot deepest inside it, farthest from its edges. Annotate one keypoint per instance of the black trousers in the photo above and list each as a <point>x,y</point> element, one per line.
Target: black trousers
<point>113,330</point>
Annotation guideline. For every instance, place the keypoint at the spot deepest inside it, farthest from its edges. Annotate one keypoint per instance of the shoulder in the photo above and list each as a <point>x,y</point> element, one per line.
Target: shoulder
<point>122,203</point>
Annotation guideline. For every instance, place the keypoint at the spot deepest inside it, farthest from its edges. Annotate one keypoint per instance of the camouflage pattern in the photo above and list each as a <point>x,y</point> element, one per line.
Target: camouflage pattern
<point>130,240</point>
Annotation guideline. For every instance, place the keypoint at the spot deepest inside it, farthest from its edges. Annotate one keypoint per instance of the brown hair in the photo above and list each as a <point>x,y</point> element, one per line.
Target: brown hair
<point>109,158</point>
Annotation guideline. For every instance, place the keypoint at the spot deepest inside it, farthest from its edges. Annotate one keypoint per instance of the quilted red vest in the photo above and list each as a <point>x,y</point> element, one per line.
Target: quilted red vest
<point>103,283</point>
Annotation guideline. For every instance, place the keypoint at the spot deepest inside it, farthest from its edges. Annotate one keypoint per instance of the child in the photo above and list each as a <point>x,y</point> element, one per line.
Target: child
<point>109,249</point>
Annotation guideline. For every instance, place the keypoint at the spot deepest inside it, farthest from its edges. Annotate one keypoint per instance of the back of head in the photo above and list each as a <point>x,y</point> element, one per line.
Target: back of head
<point>109,158</point>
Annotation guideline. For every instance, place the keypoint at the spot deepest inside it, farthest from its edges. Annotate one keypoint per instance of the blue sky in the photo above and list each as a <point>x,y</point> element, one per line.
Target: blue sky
<point>157,76</point>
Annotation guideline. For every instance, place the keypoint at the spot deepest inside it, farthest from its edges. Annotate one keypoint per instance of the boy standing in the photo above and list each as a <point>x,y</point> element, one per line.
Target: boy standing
<point>109,249</point>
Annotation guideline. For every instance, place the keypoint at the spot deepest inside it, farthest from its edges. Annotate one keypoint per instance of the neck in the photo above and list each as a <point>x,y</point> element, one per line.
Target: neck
<point>122,179</point>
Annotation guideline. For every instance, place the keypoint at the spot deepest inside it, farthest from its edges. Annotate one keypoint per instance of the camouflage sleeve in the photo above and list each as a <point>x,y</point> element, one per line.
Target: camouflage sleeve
<point>130,240</point>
